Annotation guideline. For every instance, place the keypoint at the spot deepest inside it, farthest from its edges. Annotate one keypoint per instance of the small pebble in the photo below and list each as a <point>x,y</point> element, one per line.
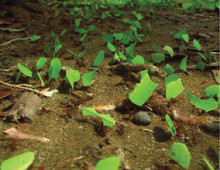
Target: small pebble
<point>142,118</point>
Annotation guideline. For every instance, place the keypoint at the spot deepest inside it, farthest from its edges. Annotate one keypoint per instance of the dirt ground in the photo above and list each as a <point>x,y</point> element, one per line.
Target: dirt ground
<point>74,140</point>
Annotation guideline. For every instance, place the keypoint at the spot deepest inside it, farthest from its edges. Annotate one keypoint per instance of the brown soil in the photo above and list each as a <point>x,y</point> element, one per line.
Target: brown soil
<point>72,135</point>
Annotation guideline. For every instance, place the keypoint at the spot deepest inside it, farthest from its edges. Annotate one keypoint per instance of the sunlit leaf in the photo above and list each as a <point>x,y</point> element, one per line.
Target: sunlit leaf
<point>183,64</point>
<point>142,90</point>
<point>213,90</point>
<point>111,47</point>
<point>169,50</point>
<point>206,104</point>
<point>171,125</point>
<point>174,88</point>
<point>185,37</point>
<point>197,45</point>
<point>73,76</point>
<point>180,154</point>
<point>170,79</point>
<point>109,163</point>
<point>87,78</point>
<point>122,56</point>
<point>54,70</point>
<point>138,60</point>
<point>26,71</point>
<point>19,162</point>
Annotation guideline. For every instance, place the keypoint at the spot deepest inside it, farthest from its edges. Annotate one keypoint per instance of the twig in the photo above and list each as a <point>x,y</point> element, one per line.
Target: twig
<point>9,69</point>
<point>21,87</point>
<point>16,39</point>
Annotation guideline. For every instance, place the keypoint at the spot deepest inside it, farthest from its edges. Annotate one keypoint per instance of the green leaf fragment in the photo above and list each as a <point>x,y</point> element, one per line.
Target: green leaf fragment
<point>20,162</point>
<point>91,28</point>
<point>213,90</point>
<point>183,64</point>
<point>54,70</point>
<point>118,36</point>
<point>200,65</point>
<point>169,50</point>
<point>170,79</point>
<point>157,57</point>
<point>206,104</point>
<point>208,163</point>
<point>180,154</point>
<point>62,32</point>
<point>87,78</point>
<point>41,62</point>
<point>138,60</point>
<point>34,37</point>
<point>107,38</point>
<point>174,88</point>
<point>109,163</point>
<point>73,76</point>
<point>168,69</point>
<point>171,125</point>
<point>197,44</point>
<point>142,90</point>
<point>107,119</point>
<point>98,60</point>
<point>202,56</point>
<point>111,47</point>
<point>26,71</point>
<point>122,56</point>
<point>77,22</point>
<point>185,37</point>
<point>130,49</point>
<point>179,34</point>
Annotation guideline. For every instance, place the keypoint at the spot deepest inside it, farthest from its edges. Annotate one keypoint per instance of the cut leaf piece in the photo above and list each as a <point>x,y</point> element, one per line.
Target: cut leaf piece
<point>170,79</point>
<point>157,57</point>
<point>122,56</point>
<point>107,119</point>
<point>168,69</point>
<point>171,125</point>
<point>174,88</point>
<point>34,37</point>
<point>111,47</point>
<point>213,90</point>
<point>208,163</point>
<point>41,62</point>
<point>206,104</point>
<point>98,60</point>
<point>21,161</point>
<point>138,60</point>
<point>130,49</point>
<point>185,37</point>
<point>183,64</point>
<point>118,36</point>
<point>202,56</point>
<point>26,71</point>
<point>197,45</point>
<point>73,76</point>
<point>109,163</point>
<point>169,50</point>
<point>179,34</point>
<point>200,65</point>
<point>55,67</point>
<point>87,78</point>
<point>142,90</point>
<point>180,154</point>
<point>107,38</point>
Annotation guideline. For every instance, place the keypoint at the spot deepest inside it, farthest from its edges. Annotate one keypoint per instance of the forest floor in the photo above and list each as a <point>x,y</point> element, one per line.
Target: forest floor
<point>74,140</point>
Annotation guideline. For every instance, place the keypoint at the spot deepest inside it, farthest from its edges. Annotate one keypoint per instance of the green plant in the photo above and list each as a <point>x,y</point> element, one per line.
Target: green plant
<point>21,161</point>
